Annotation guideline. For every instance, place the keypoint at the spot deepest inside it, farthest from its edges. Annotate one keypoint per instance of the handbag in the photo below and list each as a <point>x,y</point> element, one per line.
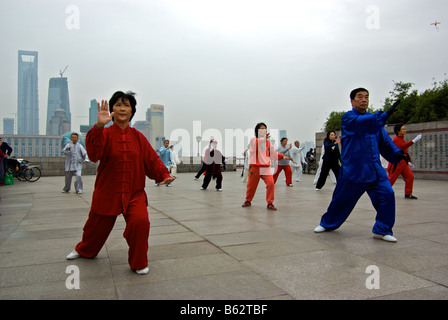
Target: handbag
<point>9,179</point>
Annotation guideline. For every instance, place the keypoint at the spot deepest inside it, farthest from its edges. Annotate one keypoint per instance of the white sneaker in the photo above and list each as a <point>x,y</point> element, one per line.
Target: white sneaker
<point>385,237</point>
<point>73,255</point>
<point>142,271</point>
<point>290,185</point>
<point>219,190</point>
<point>320,229</point>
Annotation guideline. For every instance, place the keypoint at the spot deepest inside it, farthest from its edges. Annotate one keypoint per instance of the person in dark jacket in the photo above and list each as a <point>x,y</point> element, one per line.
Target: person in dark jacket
<point>330,158</point>
<point>213,160</point>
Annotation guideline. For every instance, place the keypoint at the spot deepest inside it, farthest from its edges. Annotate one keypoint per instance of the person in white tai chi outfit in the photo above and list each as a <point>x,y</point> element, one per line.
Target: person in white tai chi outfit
<point>297,160</point>
<point>75,154</point>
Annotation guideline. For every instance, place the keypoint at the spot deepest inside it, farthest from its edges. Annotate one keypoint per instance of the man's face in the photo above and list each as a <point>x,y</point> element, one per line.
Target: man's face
<point>361,101</point>
<point>74,138</point>
<point>297,144</point>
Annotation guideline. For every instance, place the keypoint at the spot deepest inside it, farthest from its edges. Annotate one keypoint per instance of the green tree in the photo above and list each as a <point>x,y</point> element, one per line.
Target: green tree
<point>334,121</point>
<point>431,105</point>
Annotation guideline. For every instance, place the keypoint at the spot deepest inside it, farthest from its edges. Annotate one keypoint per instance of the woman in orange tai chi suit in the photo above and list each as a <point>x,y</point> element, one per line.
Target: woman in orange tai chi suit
<point>126,157</point>
<point>261,154</point>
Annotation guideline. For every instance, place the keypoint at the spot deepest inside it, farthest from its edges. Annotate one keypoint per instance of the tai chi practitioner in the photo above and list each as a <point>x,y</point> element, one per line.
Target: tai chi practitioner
<point>297,160</point>
<point>363,140</point>
<point>75,154</point>
<point>330,159</point>
<point>262,154</point>
<point>126,158</point>
<point>283,164</point>
<point>166,155</point>
<point>319,169</point>
<point>403,167</point>
<point>176,161</point>
<point>213,160</point>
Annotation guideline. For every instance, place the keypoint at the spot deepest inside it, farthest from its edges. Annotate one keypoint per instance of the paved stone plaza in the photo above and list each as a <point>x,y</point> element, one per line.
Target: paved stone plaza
<point>204,245</point>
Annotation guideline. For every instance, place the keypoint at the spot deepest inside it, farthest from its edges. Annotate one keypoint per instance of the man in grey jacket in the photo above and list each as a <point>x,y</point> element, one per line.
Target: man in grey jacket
<point>75,154</point>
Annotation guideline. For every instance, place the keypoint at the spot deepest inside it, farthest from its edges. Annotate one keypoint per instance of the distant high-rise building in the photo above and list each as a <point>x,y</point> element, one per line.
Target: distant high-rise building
<point>155,116</point>
<point>58,124</point>
<point>8,126</point>
<point>93,112</point>
<point>144,127</point>
<point>58,99</point>
<point>27,94</point>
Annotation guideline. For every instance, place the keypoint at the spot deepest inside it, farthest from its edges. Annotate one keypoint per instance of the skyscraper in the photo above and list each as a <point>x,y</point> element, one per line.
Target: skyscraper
<point>155,116</point>
<point>58,99</point>
<point>8,126</point>
<point>27,94</point>
<point>93,112</point>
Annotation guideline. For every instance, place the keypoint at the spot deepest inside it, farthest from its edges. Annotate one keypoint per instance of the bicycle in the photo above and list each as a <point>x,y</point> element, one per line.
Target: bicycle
<point>23,170</point>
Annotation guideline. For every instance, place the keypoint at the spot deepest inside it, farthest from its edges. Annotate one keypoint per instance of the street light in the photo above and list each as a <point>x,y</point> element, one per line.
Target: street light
<point>198,139</point>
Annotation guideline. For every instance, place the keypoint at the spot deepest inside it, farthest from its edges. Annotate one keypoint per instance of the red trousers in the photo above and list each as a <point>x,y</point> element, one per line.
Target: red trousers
<point>288,174</point>
<point>252,184</point>
<point>408,177</point>
<point>98,227</point>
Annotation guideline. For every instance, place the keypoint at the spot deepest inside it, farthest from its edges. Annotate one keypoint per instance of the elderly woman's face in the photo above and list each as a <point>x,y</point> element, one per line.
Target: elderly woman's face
<point>122,110</point>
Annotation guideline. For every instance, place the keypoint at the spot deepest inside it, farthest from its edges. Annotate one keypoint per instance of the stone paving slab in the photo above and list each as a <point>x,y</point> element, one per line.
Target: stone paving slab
<point>205,246</point>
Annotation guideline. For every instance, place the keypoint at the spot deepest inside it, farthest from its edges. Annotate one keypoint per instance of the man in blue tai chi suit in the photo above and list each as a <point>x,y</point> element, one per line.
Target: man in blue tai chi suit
<point>363,140</point>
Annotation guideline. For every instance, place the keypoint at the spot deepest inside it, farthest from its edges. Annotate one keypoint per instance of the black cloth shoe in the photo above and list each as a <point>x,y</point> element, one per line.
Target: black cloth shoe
<point>410,196</point>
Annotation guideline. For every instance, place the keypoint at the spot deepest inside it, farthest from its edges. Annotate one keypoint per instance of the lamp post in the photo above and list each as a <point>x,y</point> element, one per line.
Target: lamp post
<point>198,139</point>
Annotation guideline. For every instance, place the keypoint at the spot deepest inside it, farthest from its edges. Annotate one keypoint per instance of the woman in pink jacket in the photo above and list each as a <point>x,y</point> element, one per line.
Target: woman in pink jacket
<point>261,154</point>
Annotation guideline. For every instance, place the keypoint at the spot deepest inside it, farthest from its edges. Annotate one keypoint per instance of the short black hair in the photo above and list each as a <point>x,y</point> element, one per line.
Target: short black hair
<point>75,133</point>
<point>129,95</point>
<point>397,128</point>
<point>284,138</point>
<point>355,91</point>
<point>258,127</point>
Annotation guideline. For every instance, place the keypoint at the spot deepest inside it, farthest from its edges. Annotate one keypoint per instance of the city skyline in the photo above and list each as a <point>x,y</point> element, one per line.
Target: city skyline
<point>228,64</point>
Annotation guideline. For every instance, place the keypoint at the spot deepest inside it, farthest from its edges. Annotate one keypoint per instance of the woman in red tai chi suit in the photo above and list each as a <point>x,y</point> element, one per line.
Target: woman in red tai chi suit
<point>402,168</point>
<point>126,158</point>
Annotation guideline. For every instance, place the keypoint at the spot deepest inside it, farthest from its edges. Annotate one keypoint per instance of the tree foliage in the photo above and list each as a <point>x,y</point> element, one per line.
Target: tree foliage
<point>431,105</point>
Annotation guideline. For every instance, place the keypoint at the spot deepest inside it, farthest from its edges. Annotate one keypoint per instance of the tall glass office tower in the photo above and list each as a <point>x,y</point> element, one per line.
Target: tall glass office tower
<point>155,116</point>
<point>58,100</point>
<point>27,97</point>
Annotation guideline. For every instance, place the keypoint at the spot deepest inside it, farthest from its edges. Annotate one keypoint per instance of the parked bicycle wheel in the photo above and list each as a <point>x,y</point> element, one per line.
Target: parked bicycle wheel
<point>32,174</point>
<point>21,175</point>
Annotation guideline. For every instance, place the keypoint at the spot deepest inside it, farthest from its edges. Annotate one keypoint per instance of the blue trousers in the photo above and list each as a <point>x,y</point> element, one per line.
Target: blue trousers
<point>347,194</point>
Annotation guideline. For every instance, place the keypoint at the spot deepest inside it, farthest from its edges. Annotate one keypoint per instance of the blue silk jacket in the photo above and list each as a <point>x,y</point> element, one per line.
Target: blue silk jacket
<point>363,140</point>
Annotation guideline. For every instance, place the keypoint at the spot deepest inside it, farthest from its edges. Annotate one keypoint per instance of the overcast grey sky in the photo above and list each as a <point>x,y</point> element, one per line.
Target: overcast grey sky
<point>230,63</point>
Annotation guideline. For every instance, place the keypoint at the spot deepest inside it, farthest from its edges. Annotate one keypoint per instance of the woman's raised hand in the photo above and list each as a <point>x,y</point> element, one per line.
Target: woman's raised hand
<point>103,114</point>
